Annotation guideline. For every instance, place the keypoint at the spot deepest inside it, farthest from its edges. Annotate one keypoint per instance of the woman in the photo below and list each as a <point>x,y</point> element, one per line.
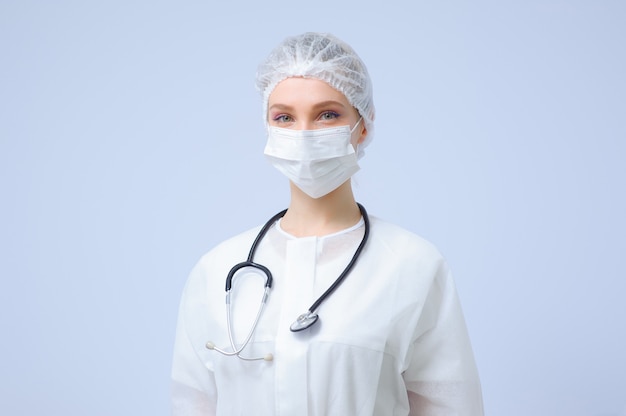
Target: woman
<point>390,338</point>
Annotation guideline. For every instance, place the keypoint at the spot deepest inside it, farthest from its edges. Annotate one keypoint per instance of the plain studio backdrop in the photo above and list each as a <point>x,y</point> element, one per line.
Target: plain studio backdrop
<point>132,139</point>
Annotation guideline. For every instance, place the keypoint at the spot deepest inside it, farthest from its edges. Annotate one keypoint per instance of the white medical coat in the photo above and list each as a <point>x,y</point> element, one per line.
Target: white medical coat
<point>391,340</point>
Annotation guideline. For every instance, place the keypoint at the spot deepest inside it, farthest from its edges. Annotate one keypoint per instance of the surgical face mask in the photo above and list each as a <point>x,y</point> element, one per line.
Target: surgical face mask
<point>316,161</point>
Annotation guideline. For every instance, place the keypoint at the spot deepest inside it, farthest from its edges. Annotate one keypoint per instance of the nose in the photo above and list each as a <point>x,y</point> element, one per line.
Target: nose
<point>304,125</point>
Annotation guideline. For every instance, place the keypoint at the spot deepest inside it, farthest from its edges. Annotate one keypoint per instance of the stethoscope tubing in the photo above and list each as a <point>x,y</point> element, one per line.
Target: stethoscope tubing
<point>350,265</point>
<point>332,287</point>
<point>305,320</point>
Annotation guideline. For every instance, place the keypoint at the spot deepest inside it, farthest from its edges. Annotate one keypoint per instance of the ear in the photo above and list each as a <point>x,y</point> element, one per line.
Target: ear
<point>363,134</point>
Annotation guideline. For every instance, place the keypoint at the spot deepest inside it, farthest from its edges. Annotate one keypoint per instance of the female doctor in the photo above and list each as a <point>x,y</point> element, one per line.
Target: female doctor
<point>384,333</point>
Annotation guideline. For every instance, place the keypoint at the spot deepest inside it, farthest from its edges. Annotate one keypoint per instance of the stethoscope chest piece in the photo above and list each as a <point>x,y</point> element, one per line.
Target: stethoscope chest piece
<point>304,321</point>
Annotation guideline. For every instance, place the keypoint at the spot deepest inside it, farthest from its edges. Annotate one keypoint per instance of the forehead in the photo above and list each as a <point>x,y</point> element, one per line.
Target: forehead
<point>304,91</point>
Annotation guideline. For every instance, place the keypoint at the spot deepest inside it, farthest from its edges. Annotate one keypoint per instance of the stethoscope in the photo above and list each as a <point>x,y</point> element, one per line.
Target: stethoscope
<point>305,320</point>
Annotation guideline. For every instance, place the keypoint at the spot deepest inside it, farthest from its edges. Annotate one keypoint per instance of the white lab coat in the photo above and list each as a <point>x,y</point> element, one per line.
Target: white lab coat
<point>390,341</point>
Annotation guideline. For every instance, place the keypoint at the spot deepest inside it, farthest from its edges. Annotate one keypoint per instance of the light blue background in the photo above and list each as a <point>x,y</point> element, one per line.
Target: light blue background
<point>131,143</point>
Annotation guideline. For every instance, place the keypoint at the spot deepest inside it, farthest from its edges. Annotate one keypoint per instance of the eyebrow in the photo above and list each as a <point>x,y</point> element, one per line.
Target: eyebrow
<point>327,103</point>
<point>322,104</point>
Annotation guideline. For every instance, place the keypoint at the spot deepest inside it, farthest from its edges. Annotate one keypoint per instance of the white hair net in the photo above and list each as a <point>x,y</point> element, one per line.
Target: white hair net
<point>324,57</point>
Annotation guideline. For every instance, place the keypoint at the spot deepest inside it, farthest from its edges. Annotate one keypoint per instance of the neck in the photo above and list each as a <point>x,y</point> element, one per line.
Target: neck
<point>329,214</point>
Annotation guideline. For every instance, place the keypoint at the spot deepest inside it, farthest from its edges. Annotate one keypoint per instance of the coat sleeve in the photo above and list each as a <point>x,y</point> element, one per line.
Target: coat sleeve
<point>441,376</point>
<point>193,383</point>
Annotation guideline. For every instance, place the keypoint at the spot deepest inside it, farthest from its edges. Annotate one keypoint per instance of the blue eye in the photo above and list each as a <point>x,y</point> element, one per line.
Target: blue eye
<point>283,118</point>
<point>329,115</point>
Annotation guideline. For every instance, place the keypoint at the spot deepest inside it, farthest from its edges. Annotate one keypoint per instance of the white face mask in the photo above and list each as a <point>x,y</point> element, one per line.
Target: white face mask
<point>316,161</point>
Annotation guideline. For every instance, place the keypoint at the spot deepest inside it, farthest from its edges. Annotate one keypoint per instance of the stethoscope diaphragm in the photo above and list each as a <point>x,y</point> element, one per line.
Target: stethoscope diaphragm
<point>304,321</point>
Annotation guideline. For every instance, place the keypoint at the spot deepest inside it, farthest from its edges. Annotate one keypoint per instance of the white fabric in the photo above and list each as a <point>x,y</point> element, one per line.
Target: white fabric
<point>390,341</point>
<point>316,161</point>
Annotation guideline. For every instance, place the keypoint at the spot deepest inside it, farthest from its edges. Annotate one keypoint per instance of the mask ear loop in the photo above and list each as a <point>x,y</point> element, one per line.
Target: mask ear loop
<point>355,126</point>
<point>356,148</point>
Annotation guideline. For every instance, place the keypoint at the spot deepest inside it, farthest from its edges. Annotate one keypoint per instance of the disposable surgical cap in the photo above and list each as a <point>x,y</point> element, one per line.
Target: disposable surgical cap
<point>324,57</point>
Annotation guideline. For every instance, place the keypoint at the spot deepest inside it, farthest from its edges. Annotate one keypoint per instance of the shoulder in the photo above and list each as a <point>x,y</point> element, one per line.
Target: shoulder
<point>205,283</point>
<point>221,258</point>
<point>404,254</point>
<point>233,247</point>
<point>395,239</point>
